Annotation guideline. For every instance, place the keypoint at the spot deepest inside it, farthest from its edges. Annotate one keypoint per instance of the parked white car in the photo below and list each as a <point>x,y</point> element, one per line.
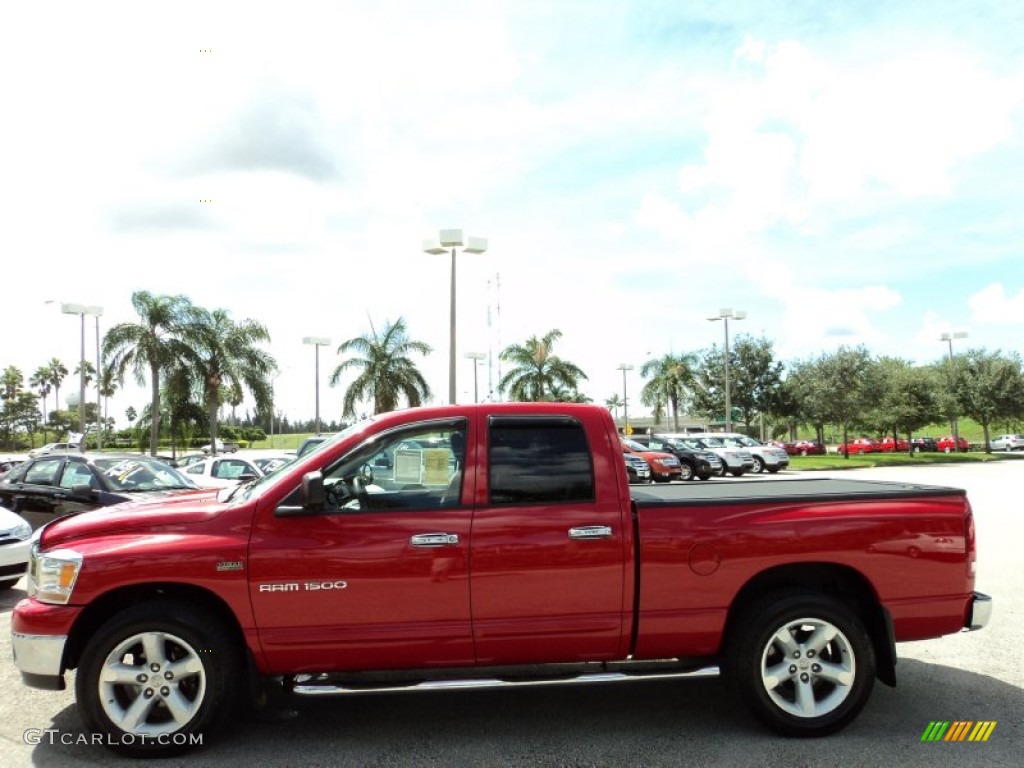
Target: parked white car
<point>1007,443</point>
<point>221,471</point>
<point>15,541</point>
<point>53,448</point>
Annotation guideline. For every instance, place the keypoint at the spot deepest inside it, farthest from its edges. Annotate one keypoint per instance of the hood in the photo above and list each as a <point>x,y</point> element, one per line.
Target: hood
<point>153,511</point>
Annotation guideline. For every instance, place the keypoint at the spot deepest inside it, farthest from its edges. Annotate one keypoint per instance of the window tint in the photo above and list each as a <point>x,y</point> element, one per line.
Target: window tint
<point>537,461</point>
<point>43,472</point>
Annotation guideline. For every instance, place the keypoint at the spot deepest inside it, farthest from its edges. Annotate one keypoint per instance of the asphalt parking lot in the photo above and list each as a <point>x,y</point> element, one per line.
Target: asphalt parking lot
<point>971,676</point>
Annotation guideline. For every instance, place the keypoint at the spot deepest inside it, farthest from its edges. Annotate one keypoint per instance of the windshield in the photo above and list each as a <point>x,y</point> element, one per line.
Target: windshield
<point>141,474</point>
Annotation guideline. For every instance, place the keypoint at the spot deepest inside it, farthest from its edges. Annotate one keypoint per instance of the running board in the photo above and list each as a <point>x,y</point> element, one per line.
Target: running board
<point>323,685</point>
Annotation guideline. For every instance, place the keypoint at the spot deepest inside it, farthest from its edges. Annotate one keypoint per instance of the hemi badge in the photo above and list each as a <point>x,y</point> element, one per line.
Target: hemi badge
<point>230,565</point>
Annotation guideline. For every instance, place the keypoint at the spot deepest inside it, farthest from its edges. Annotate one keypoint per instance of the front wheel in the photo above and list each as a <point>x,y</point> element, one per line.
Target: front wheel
<point>802,662</point>
<point>157,677</point>
<point>758,465</point>
<point>8,583</point>
<point>704,475</point>
<point>686,471</point>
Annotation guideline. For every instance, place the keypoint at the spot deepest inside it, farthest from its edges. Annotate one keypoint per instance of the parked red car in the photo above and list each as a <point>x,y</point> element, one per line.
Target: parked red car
<point>859,445</point>
<point>948,444</point>
<point>804,448</point>
<point>889,445</point>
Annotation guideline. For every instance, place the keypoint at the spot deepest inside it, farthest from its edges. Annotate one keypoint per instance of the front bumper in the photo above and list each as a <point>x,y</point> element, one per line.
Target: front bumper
<point>40,659</point>
<point>979,612</point>
<point>39,637</point>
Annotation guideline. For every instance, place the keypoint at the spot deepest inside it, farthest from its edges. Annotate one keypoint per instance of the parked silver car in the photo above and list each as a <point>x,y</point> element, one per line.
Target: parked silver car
<point>1007,443</point>
<point>735,461</point>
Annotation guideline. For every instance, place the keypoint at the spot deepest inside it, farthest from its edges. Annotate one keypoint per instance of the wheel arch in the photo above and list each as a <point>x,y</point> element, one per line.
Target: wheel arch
<point>835,580</point>
<point>99,611</point>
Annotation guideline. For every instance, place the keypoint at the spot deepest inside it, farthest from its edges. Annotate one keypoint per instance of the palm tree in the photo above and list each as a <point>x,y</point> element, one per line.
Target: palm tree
<point>108,386</point>
<point>613,404</point>
<point>88,368</point>
<point>58,372</point>
<point>387,373</point>
<point>671,377</point>
<point>155,343</point>
<point>41,381</point>
<point>226,358</point>
<point>537,372</point>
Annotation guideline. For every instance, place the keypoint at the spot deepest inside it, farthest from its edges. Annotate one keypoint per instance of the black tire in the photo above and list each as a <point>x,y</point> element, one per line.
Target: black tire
<point>207,692</point>
<point>758,465</point>
<point>737,472</point>
<point>8,583</point>
<point>773,470</point>
<point>724,470</point>
<point>704,475</point>
<point>686,471</point>
<point>803,697</point>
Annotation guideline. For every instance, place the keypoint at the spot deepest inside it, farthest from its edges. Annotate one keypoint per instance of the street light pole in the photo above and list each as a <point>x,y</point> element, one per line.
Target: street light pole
<point>452,238</point>
<point>954,424</point>
<point>625,400</point>
<point>476,357</point>
<point>317,342</point>
<point>725,314</point>
<point>99,383</point>
<point>82,310</point>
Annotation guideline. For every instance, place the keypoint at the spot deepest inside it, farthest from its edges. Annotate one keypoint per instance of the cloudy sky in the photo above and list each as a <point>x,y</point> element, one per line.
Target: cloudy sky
<point>845,172</point>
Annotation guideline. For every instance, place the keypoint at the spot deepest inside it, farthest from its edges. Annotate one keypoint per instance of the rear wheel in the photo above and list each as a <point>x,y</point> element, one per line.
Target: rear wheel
<point>8,583</point>
<point>156,676</point>
<point>704,475</point>
<point>737,472</point>
<point>802,662</point>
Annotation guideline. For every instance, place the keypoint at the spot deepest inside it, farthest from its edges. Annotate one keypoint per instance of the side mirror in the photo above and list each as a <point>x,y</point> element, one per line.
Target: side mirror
<point>366,474</point>
<point>82,491</point>
<point>313,495</point>
<point>246,477</point>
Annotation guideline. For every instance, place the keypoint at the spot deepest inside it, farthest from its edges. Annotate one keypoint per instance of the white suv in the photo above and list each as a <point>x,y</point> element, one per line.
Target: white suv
<point>735,460</point>
<point>15,540</point>
<point>767,458</point>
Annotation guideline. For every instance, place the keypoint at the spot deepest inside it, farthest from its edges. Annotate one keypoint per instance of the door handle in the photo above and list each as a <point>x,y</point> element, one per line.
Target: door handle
<point>591,532</point>
<point>434,539</point>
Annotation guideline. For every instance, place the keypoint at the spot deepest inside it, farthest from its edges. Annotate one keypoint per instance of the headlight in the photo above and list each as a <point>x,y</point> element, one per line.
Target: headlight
<point>52,576</point>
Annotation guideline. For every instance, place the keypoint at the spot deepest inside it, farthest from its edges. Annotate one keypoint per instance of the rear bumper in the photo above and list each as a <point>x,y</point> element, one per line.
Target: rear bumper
<point>979,613</point>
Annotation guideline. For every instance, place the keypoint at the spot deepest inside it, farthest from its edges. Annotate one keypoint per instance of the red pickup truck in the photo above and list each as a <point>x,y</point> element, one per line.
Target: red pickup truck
<point>487,543</point>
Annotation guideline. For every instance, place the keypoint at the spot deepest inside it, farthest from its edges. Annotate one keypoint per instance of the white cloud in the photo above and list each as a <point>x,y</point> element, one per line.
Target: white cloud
<point>993,305</point>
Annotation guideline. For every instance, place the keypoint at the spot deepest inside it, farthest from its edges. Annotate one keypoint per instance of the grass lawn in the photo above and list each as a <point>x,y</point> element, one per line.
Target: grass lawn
<point>836,461</point>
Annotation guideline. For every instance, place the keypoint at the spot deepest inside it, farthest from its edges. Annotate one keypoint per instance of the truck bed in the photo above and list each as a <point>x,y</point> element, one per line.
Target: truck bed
<point>821,489</point>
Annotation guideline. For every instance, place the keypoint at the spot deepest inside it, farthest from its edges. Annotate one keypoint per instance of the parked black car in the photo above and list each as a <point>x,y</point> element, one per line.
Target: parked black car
<point>702,464</point>
<point>51,486</point>
<point>919,444</point>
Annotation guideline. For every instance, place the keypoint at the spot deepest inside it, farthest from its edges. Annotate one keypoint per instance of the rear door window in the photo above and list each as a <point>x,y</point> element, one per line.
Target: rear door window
<point>539,461</point>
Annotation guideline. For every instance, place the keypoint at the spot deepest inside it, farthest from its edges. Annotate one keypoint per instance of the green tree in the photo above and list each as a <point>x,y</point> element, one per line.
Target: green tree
<point>41,382</point>
<point>154,344</point>
<point>58,372</point>
<point>902,397</point>
<point>842,380</point>
<point>537,371</point>
<point>227,357</point>
<point>108,386</point>
<point>991,388</point>
<point>671,378</point>
<point>613,404</point>
<point>386,370</point>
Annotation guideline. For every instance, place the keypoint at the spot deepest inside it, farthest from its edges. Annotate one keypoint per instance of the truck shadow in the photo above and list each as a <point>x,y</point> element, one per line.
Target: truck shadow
<point>663,722</point>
